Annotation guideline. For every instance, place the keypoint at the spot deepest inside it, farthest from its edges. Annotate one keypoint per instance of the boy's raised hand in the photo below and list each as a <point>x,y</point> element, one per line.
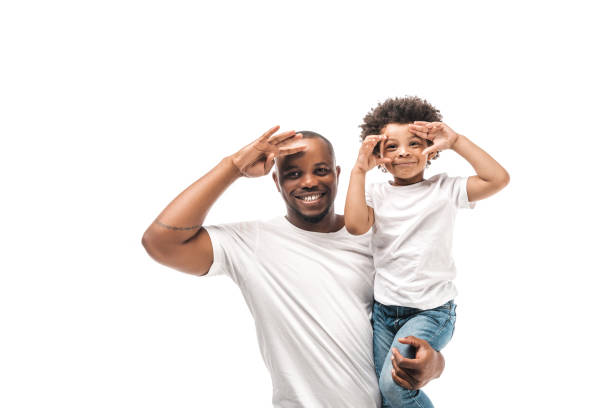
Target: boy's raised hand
<point>366,159</point>
<point>257,158</point>
<point>442,136</point>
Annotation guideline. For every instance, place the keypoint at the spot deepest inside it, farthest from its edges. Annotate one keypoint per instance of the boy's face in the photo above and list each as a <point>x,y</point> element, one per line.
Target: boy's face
<point>405,150</point>
<point>308,182</point>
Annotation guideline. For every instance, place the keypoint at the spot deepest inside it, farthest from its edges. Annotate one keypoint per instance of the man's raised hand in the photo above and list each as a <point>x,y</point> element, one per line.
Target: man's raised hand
<point>257,158</point>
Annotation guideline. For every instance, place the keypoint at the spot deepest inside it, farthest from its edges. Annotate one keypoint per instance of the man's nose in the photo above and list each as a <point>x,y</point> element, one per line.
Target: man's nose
<point>309,181</point>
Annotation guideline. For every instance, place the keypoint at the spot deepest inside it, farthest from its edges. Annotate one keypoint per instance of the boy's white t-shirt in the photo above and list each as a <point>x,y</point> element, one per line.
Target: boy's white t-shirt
<point>310,295</point>
<point>412,240</point>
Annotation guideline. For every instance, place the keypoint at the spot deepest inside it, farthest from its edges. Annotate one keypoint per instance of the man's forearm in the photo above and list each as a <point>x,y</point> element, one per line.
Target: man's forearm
<point>182,218</point>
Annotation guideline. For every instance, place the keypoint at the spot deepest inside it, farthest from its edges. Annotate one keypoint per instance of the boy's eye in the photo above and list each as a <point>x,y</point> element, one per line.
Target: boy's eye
<point>390,146</point>
<point>415,144</point>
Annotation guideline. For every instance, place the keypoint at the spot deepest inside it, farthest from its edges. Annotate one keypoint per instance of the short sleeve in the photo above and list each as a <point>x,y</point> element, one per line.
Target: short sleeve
<point>234,246</point>
<point>457,189</point>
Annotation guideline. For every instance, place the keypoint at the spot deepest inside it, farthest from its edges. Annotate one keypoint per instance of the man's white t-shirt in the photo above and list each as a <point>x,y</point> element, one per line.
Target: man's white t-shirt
<point>412,240</point>
<point>310,295</point>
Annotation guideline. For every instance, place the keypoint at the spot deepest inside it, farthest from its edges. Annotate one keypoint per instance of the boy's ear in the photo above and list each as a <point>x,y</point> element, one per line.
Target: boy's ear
<point>275,177</point>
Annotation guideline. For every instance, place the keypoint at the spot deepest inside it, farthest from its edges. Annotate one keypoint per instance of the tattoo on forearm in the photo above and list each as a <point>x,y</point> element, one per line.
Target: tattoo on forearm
<point>170,227</point>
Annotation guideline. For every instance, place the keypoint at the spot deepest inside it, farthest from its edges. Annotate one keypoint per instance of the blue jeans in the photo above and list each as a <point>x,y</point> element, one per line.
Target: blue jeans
<point>394,322</point>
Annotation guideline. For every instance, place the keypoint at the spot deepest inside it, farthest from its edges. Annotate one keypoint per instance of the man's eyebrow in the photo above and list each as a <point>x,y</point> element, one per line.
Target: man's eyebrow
<point>323,163</point>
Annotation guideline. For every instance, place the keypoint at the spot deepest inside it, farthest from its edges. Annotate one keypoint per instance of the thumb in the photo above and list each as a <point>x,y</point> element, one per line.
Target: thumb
<point>269,163</point>
<point>383,160</point>
<point>429,149</point>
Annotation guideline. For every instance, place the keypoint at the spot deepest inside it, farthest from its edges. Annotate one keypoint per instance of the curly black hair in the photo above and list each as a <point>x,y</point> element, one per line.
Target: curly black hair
<point>398,110</point>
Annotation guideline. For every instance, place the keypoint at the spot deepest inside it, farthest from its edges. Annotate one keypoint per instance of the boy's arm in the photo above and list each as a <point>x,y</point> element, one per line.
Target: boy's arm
<point>490,176</point>
<point>176,238</point>
<point>358,216</point>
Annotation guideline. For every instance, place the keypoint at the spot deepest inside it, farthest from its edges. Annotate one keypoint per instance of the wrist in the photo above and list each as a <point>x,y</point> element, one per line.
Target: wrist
<point>232,163</point>
<point>458,142</point>
<point>358,171</point>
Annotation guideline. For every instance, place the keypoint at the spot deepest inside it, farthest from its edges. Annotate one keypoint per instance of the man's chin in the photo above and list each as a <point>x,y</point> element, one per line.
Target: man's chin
<point>313,219</point>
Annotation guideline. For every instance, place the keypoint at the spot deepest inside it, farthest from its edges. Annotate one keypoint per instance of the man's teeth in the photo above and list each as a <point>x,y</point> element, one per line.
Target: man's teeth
<point>311,197</point>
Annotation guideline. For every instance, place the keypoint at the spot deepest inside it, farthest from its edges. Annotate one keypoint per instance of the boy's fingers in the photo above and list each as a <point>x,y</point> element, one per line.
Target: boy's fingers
<point>428,150</point>
<point>420,128</point>
<point>374,137</point>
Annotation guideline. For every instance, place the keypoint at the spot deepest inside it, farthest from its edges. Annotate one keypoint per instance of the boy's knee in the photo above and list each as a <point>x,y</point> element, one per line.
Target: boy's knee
<point>390,390</point>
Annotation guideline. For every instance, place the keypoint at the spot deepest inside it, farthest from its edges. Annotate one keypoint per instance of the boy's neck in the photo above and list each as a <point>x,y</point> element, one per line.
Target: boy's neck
<point>406,182</point>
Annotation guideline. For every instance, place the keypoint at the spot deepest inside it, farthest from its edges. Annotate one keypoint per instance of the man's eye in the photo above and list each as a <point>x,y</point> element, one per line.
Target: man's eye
<point>293,174</point>
<point>322,171</point>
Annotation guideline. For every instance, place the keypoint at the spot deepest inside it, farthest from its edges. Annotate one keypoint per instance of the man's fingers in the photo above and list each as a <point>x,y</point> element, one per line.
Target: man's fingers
<point>281,137</point>
<point>400,381</point>
<point>413,341</point>
<point>403,362</point>
<point>285,151</point>
<point>405,374</point>
<point>266,135</point>
<point>269,163</point>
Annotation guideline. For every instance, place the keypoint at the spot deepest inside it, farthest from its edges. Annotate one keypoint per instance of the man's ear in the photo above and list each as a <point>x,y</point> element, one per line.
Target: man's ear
<point>337,171</point>
<point>275,177</point>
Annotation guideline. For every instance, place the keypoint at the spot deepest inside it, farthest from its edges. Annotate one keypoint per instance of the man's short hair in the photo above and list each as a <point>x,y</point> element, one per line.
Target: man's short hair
<point>309,134</point>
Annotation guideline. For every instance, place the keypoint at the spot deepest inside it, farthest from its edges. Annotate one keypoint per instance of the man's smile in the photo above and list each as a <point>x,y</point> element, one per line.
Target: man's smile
<point>311,198</point>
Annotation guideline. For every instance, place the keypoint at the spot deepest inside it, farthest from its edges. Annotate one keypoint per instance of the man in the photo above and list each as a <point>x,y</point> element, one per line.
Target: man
<point>307,282</point>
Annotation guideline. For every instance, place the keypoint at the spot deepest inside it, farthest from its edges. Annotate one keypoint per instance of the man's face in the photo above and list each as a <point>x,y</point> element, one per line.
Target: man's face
<point>308,181</point>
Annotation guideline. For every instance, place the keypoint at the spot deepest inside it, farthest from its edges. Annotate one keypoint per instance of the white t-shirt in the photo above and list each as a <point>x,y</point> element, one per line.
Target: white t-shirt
<point>412,240</point>
<point>311,296</point>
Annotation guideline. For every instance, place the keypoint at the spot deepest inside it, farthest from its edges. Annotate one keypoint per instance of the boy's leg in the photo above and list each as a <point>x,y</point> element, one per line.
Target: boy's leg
<point>383,338</point>
<point>436,326</point>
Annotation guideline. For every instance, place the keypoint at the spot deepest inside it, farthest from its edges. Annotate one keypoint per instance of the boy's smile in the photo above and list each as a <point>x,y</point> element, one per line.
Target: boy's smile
<point>405,150</point>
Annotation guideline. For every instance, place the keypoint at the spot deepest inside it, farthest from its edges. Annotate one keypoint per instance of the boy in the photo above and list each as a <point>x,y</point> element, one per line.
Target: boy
<point>412,220</point>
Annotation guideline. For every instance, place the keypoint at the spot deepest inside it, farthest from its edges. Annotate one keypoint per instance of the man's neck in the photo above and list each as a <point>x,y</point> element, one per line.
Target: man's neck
<point>332,222</point>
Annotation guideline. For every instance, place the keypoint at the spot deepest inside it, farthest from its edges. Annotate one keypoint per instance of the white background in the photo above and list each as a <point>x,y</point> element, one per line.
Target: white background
<point>109,109</point>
